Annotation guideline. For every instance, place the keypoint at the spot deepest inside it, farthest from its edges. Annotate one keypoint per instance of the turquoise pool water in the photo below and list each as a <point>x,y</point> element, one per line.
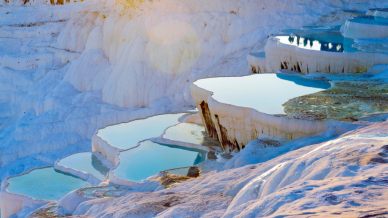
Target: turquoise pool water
<point>186,132</point>
<point>151,158</point>
<point>44,184</point>
<point>371,20</point>
<point>379,9</point>
<point>263,92</point>
<point>331,41</point>
<point>85,162</point>
<point>127,135</point>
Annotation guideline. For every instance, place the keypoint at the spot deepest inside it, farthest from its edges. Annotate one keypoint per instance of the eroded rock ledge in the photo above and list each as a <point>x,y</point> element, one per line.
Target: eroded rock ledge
<point>234,124</point>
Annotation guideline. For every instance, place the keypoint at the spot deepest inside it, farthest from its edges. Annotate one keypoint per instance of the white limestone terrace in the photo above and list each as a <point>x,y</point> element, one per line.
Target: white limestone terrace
<point>236,110</point>
<point>178,144</point>
<point>137,141</point>
<point>345,177</point>
<point>372,45</point>
<point>378,12</point>
<point>366,27</point>
<point>98,75</point>
<point>51,110</point>
<point>326,51</point>
<point>110,141</point>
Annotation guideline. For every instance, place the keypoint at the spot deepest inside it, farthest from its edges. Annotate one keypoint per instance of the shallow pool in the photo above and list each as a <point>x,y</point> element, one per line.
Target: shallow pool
<point>330,41</point>
<point>127,135</point>
<point>44,184</point>
<point>371,20</point>
<point>263,92</point>
<point>186,132</point>
<point>150,158</point>
<point>85,162</point>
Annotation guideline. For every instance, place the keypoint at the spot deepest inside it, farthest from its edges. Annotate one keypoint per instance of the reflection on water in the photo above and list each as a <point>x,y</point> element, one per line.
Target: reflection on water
<point>127,135</point>
<point>297,79</point>
<point>99,166</point>
<point>85,162</point>
<point>263,92</point>
<point>313,43</point>
<point>151,158</point>
<point>327,39</point>
<point>44,184</point>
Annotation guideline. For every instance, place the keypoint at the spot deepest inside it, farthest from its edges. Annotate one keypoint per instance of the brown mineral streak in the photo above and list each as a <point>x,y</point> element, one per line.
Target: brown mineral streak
<point>210,127</point>
<point>227,145</point>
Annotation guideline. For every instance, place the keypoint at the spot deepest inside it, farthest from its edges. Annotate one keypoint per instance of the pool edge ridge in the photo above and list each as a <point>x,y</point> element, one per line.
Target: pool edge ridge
<point>164,141</point>
<point>106,153</point>
<point>88,177</point>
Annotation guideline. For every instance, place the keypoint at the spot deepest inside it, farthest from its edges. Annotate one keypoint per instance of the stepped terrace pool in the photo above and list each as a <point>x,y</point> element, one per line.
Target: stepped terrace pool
<point>264,92</point>
<point>128,135</point>
<point>330,41</point>
<point>44,184</point>
<point>150,158</point>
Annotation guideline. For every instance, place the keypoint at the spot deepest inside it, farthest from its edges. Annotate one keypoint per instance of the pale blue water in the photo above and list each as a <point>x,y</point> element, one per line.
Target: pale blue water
<point>44,184</point>
<point>186,132</point>
<point>264,92</point>
<point>85,162</point>
<point>151,158</point>
<point>127,135</point>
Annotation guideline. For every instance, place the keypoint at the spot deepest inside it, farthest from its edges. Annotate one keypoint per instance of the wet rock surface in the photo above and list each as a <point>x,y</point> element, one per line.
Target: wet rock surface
<point>347,101</point>
<point>49,211</point>
<point>194,172</point>
<point>168,178</point>
<point>211,129</point>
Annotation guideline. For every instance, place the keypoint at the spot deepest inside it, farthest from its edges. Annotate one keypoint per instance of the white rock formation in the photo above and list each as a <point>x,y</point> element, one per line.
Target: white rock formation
<point>236,125</point>
<point>57,89</point>
<point>257,62</point>
<point>290,57</point>
<point>12,204</point>
<point>378,12</point>
<point>47,116</point>
<point>108,142</point>
<point>362,28</point>
<point>344,177</point>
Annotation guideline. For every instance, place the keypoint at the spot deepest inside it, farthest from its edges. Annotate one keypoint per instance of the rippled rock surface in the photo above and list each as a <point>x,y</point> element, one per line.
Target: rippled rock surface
<point>347,101</point>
